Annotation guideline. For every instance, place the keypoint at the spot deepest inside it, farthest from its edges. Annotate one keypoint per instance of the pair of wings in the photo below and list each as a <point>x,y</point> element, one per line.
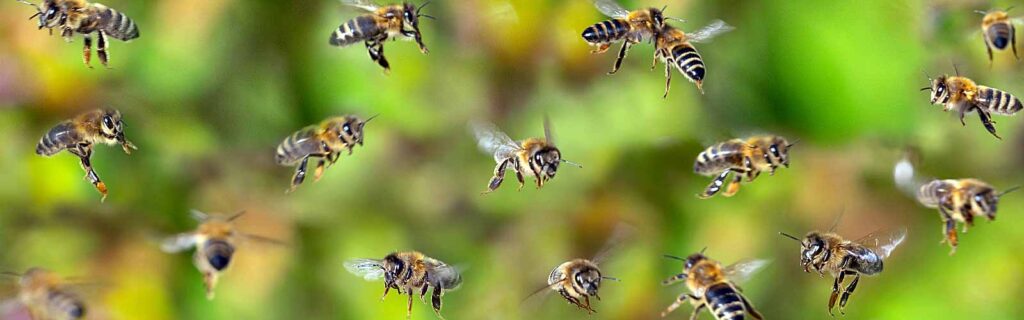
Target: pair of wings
<point>184,241</point>
<point>362,4</point>
<point>613,9</point>
<point>884,241</point>
<point>372,270</point>
<point>493,141</point>
<point>741,271</point>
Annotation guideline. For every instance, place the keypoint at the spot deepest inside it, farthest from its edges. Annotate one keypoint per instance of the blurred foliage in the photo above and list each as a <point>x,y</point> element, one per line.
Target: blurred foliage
<point>213,85</point>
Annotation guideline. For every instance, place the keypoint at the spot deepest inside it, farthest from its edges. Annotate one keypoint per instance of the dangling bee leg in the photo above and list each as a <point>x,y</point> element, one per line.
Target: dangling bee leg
<point>435,301</point>
<point>988,47</point>
<point>101,48</point>
<point>986,119</point>
<point>673,279</point>
<point>87,50</point>
<point>675,305</point>
<point>968,218</point>
<point>734,185</point>
<point>835,292</point>
<point>668,77</point>
<point>949,229</point>
<point>622,55</point>
<point>1013,42</point>
<point>715,185</point>
<point>601,48</point>
<point>387,288</point>
<point>210,280</point>
<point>654,64</point>
<point>419,40</point>
<point>750,308</point>
<point>84,153</point>
<point>586,305</point>
<point>300,174</point>
<point>519,177</point>
<point>376,50</point>
<point>961,113</point>
<point>408,309</point>
<point>319,171</point>
<point>499,176</point>
<point>848,292</point>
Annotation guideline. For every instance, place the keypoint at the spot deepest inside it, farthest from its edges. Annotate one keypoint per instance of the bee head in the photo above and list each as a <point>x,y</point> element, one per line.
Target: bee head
<point>657,18</point>
<point>778,151</point>
<point>48,14</point>
<point>939,90</point>
<point>393,267</point>
<point>546,161</point>
<point>986,202</point>
<point>218,254</point>
<point>76,310</point>
<point>587,280</point>
<point>411,15</point>
<point>811,249</point>
<point>692,261</point>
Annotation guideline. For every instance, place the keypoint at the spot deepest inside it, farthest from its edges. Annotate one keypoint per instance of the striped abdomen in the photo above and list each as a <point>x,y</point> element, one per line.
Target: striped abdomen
<point>688,61</point>
<point>997,101</point>
<point>720,157</point>
<point>606,31</point>
<point>359,29</point>
<point>59,138</point>
<point>298,145</point>
<point>64,305</point>
<point>999,34</point>
<point>115,24</point>
<point>931,193</point>
<point>725,303</point>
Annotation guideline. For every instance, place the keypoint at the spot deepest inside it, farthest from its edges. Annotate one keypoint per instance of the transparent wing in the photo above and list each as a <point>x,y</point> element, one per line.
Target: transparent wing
<point>549,137</point>
<point>178,243</point>
<point>884,241</point>
<point>709,31</point>
<point>362,4</point>
<point>262,239</point>
<point>611,8</point>
<point>492,141</point>
<point>444,276</point>
<point>742,270</point>
<point>369,269</point>
<point>614,243</point>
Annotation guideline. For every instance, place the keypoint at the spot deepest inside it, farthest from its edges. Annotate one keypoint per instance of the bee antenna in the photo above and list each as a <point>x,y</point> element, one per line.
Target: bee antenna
<point>9,273</point>
<point>789,236</point>
<point>1011,189</point>
<point>836,222</point>
<point>236,216</point>
<point>421,6</point>
<point>573,163</point>
<point>370,118</point>
<point>956,69</point>
<point>1009,8</point>
<point>704,249</point>
<point>681,20</point>
<point>793,144</point>
<point>926,88</point>
<point>611,278</point>
<point>674,257</point>
<point>427,16</point>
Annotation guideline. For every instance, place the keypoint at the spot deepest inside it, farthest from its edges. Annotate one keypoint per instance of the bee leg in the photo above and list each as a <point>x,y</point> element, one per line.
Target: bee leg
<point>734,185</point>
<point>499,176</point>
<point>835,292</point>
<point>387,288</point>
<point>986,119</point>
<point>962,113</point>
<point>622,55</point>
<point>968,218</point>
<point>675,305</point>
<point>949,226</point>
<point>519,176</point>
<point>601,48</point>
<point>586,305</point>
<point>848,292</point>
<point>674,279</point>
<point>84,153</point>
<point>435,300</point>
<point>1013,42</point>
<point>376,50</point>
<point>668,76</point>
<point>101,48</point>
<point>408,310</point>
<point>319,171</point>
<point>87,50</point>
<point>210,280</point>
<point>697,310</point>
<point>654,64</point>
<point>300,174</point>
<point>750,308</point>
<point>989,48</point>
<point>715,186</point>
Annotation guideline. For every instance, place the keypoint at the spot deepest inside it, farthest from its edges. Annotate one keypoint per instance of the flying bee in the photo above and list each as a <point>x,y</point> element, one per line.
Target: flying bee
<point>999,31</point>
<point>743,158</point>
<point>80,16</point>
<point>963,95</point>
<point>577,280</point>
<point>828,251</point>
<point>215,240</point>
<point>48,296</point>
<point>78,135</point>
<point>630,27</point>
<point>409,272</point>
<point>533,157</point>
<point>380,24</point>
<point>674,48</point>
<point>325,141</point>
<point>714,287</point>
<point>959,201</point>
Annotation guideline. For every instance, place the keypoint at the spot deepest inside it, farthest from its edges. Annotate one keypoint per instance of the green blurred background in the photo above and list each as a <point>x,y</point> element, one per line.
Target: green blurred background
<point>212,86</point>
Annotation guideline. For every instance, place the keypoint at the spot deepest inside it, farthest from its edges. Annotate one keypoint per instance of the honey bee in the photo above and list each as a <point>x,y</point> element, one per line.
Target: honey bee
<point>999,32</point>
<point>324,141</point>
<point>963,95</point>
<point>577,280</point>
<point>631,27</point>
<point>714,287</point>
<point>828,251</point>
<point>742,158</point>
<point>78,135</point>
<point>409,272</point>
<point>80,16</point>
<point>379,25</point>
<point>533,157</point>
<point>959,201</point>
<point>674,48</point>
<point>215,240</point>
<point>48,296</point>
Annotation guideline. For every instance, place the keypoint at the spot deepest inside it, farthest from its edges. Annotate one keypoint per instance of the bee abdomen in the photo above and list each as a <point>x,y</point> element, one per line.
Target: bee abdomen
<point>998,101</point>
<point>999,34</point>
<point>55,140</point>
<point>606,31</point>
<point>66,305</point>
<point>689,62</point>
<point>931,193</point>
<point>718,157</point>
<point>117,25</point>
<point>358,29</point>
<point>725,303</point>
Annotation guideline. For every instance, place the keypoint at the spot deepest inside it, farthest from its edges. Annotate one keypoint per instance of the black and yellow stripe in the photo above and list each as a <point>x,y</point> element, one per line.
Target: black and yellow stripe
<point>997,101</point>
<point>358,29</point>
<point>725,303</point>
<point>606,31</point>
<point>720,157</point>
<point>297,146</point>
<point>116,24</point>
<point>57,139</point>
<point>64,305</point>
<point>999,35</point>
<point>689,61</point>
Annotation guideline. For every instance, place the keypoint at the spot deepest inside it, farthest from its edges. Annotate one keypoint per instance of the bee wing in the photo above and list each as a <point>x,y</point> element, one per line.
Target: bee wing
<point>262,239</point>
<point>617,237</point>
<point>549,136</point>
<point>709,31</point>
<point>362,4</point>
<point>492,141</point>
<point>743,270</point>
<point>369,269</point>
<point>444,276</point>
<point>178,243</point>
<point>882,242</point>
<point>611,8</point>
